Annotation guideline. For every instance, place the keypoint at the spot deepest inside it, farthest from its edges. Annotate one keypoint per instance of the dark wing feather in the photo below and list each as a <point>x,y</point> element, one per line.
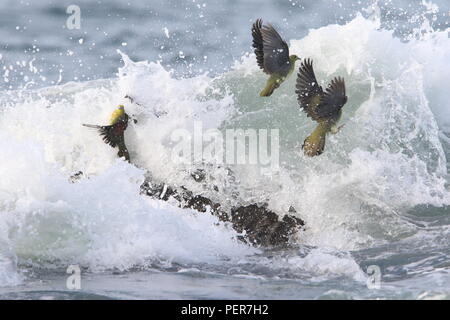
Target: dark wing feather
<point>258,43</point>
<point>333,99</point>
<point>112,134</point>
<point>308,91</point>
<point>276,52</point>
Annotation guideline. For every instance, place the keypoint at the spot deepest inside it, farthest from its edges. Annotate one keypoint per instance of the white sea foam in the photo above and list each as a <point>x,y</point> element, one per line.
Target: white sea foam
<point>390,157</point>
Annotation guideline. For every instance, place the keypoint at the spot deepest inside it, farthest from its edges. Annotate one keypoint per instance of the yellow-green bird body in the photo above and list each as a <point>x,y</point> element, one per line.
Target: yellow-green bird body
<point>324,107</point>
<point>314,144</point>
<point>275,80</point>
<point>272,56</point>
<point>117,115</point>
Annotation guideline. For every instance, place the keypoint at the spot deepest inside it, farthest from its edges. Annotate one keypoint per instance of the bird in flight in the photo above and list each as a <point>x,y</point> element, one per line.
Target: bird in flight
<point>272,56</point>
<point>113,134</point>
<point>324,107</point>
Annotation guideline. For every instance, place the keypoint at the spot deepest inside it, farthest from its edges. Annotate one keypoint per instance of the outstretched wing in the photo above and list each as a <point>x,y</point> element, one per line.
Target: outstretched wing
<point>309,93</point>
<point>112,134</point>
<point>272,52</point>
<point>333,99</point>
<point>258,43</point>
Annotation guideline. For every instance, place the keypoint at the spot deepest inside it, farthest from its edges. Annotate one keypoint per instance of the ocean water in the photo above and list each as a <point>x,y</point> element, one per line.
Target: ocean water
<point>376,203</point>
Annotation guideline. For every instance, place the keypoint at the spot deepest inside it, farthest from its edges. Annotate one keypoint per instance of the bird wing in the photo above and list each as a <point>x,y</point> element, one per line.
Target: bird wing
<point>309,93</point>
<point>333,99</point>
<point>112,134</point>
<point>258,43</point>
<point>272,52</point>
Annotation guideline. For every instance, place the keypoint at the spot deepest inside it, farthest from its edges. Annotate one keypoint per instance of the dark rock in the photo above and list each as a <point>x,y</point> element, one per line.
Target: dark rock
<point>256,224</point>
<point>76,176</point>
<point>198,175</point>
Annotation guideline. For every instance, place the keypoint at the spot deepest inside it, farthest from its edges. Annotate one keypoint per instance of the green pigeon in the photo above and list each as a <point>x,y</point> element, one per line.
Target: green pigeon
<point>324,107</point>
<point>113,134</point>
<point>272,56</point>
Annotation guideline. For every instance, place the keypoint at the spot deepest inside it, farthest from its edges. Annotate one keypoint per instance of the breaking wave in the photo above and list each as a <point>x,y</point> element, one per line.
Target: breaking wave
<point>384,170</point>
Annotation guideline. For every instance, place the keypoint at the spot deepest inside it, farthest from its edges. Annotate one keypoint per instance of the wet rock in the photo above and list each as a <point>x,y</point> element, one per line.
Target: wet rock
<point>76,176</point>
<point>263,227</point>
<point>256,224</point>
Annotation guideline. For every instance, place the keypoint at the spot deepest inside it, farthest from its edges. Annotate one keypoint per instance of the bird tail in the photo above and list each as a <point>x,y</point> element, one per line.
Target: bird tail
<point>314,144</point>
<point>123,151</point>
<point>92,126</point>
<point>270,87</point>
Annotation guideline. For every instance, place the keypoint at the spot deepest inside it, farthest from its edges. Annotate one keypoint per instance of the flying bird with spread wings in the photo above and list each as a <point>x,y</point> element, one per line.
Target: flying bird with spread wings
<point>272,56</point>
<point>113,134</point>
<point>324,107</point>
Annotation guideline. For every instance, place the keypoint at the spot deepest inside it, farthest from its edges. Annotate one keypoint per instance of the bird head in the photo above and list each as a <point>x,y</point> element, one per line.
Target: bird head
<point>121,107</point>
<point>293,58</point>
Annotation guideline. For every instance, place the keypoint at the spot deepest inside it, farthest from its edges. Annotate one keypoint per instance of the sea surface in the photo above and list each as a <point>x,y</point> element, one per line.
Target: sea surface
<point>376,203</point>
